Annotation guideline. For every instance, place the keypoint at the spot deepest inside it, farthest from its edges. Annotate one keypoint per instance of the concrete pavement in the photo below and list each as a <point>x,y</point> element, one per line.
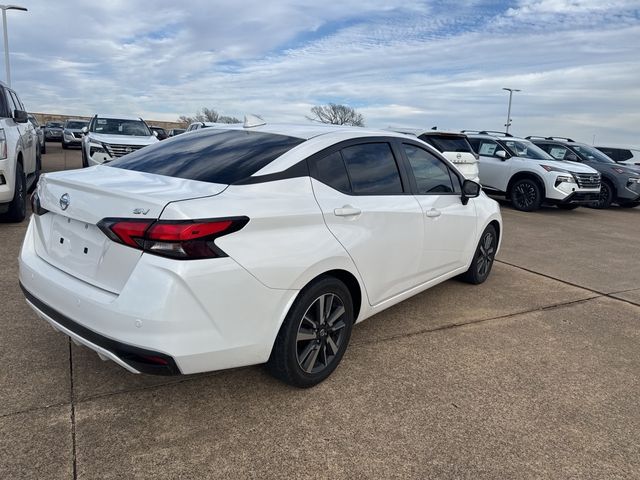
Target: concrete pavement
<point>534,374</point>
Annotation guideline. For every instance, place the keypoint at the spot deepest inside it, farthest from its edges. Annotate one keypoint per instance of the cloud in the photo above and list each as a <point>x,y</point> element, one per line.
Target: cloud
<point>403,63</point>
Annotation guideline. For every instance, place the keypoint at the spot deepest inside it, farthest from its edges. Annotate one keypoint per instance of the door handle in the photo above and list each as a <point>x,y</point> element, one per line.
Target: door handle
<point>347,211</point>
<point>433,213</point>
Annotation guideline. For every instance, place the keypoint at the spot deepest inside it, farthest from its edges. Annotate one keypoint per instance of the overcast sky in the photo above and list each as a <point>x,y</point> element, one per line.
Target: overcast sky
<point>405,63</point>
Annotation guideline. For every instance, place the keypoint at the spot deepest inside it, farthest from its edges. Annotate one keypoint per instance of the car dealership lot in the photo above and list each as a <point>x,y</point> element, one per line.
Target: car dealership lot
<point>532,374</point>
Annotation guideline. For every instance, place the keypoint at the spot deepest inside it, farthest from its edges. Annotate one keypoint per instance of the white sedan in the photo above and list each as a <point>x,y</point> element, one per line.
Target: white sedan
<point>249,244</point>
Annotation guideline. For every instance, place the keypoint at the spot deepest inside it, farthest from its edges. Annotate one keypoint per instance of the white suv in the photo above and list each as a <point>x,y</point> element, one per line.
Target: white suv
<point>111,136</point>
<point>528,176</point>
<point>242,245</point>
<point>19,156</point>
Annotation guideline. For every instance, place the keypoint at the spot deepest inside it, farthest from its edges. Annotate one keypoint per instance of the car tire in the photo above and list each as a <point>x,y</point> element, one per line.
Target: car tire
<point>85,164</point>
<point>567,206</point>
<point>43,147</point>
<point>526,195</point>
<point>606,196</point>
<point>36,175</point>
<point>314,334</point>
<point>17,210</point>
<point>483,258</point>
<point>64,145</point>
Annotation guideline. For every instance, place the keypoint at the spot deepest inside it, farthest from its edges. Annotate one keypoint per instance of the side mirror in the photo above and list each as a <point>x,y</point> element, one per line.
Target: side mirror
<point>501,154</point>
<point>470,189</point>
<point>155,134</point>
<point>85,130</point>
<point>20,116</point>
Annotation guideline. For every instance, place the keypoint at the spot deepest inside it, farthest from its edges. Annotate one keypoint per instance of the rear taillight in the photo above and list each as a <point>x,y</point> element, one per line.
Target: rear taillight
<point>185,240</point>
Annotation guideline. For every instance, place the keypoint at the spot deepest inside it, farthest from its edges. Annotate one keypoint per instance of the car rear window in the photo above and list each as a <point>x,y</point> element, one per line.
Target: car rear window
<point>210,155</point>
<point>448,143</point>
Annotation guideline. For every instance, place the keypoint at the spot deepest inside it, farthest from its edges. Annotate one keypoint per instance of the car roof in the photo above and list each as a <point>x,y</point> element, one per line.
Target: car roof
<point>429,132</point>
<point>308,131</point>
<point>118,117</point>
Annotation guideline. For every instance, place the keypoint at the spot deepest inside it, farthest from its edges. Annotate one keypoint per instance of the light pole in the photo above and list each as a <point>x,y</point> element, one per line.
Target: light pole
<point>6,37</point>
<point>510,90</point>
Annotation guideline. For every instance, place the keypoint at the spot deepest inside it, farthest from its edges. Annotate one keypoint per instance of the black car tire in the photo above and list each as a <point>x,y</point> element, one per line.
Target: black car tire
<point>43,147</point>
<point>606,196</point>
<point>18,207</point>
<point>483,259</point>
<point>64,145</point>
<point>36,175</point>
<point>314,334</point>
<point>85,164</point>
<point>526,195</point>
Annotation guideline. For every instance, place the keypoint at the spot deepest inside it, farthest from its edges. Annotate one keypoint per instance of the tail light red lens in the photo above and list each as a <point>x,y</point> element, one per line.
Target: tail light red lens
<point>184,240</point>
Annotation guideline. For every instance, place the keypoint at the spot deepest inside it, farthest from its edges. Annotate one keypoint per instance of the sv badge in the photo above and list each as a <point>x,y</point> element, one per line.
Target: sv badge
<point>140,211</point>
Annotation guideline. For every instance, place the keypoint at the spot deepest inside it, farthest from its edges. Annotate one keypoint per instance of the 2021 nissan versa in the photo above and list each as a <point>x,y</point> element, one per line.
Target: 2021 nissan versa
<point>249,244</point>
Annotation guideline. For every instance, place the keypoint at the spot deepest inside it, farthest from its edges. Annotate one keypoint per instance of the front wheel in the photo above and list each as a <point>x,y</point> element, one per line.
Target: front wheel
<point>606,197</point>
<point>482,262</point>
<point>526,195</point>
<point>314,335</point>
<point>18,207</point>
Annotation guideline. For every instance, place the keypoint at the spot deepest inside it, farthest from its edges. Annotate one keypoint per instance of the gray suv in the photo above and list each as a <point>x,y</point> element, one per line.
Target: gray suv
<point>620,183</point>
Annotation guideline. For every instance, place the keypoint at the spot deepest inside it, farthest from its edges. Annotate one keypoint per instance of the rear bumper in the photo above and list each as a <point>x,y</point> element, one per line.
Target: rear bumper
<point>198,316</point>
<point>134,359</point>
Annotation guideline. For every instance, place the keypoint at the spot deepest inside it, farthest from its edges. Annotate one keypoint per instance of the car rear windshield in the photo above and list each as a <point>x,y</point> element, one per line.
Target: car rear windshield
<point>448,143</point>
<point>210,155</point>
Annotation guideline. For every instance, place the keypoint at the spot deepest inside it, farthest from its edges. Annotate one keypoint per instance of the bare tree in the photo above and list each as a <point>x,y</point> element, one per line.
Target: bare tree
<point>207,115</point>
<point>336,115</point>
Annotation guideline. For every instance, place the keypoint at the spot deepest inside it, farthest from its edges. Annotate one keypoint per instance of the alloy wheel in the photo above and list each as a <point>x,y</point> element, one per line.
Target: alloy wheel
<point>321,333</point>
<point>525,195</point>
<point>486,254</point>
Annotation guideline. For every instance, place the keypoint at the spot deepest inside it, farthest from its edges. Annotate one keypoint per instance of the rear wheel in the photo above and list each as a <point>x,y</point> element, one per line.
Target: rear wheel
<point>43,147</point>
<point>526,195</point>
<point>85,164</point>
<point>314,335</point>
<point>606,196</point>
<point>482,262</point>
<point>18,207</point>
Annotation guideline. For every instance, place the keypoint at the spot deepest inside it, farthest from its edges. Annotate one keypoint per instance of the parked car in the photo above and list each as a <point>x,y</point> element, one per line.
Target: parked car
<point>453,145</point>
<point>176,131</point>
<point>72,132</point>
<point>42,144</point>
<point>520,171</point>
<point>198,125</point>
<point>242,245</point>
<point>53,131</point>
<point>620,183</point>
<point>626,155</point>
<point>19,156</point>
<point>161,133</point>
<point>111,136</point>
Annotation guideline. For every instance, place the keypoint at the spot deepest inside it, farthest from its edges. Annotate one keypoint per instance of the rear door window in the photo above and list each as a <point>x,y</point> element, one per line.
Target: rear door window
<point>372,169</point>
<point>331,171</point>
<point>215,155</point>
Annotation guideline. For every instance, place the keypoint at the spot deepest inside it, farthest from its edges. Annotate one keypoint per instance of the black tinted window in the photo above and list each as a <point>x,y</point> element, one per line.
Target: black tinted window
<point>448,143</point>
<point>212,155</point>
<point>372,169</point>
<point>331,171</point>
<point>431,174</point>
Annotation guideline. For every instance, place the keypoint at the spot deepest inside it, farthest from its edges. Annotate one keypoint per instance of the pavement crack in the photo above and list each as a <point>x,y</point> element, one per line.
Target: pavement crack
<point>73,414</point>
<point>597,292</point>
<point>450,326</point>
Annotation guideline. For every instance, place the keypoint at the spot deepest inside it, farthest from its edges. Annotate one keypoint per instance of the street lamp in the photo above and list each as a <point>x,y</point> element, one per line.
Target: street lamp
<point>6,37</point>
<point>510,90</point>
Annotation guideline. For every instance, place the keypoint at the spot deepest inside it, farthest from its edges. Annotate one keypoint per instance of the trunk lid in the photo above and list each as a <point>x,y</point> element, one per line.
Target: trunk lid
<point>67,237</point>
